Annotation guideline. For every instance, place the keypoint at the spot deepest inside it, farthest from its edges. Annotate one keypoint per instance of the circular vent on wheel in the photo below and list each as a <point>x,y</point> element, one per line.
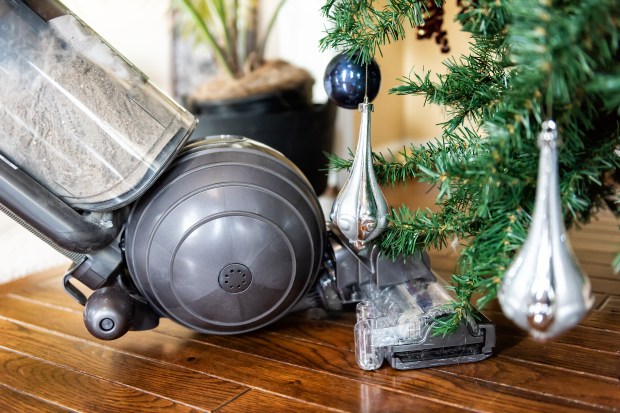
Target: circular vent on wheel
<point>235,278</point>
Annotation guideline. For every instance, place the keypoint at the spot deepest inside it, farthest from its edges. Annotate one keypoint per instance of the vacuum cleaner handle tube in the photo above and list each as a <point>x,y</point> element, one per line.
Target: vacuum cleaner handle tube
<point>54,219</point>
<point>89,242</point>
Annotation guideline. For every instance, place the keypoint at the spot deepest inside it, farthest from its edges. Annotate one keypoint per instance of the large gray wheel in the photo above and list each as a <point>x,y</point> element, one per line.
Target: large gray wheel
<point>228,240</point>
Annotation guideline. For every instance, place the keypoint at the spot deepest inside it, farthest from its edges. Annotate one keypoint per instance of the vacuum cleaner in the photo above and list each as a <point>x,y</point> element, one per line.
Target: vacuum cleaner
<point>222,235</point>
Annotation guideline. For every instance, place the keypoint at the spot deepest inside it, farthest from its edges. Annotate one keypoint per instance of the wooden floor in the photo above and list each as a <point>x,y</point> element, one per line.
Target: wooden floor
<point>48,361</point>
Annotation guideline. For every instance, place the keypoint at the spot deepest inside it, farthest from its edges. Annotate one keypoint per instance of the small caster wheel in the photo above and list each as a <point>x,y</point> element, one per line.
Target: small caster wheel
<point>108,313</point>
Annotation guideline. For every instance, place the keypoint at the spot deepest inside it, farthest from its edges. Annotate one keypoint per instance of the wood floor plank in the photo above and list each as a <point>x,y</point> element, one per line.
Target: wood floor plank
<point>598,234</point>
<point>344,338</point>
<point>611,287</point>
<point>166,381</point>
<point>600,270</point>
<point>597,230</point>
<point>604,320</point>
<point>14,401</point>
<point>483,389</point>
<point>248,369</point>
<point>249,401</point>
<point>586,339</point>
<point>583,335</point>
<point>32,279</point>
<point>51,290</point>
<point>76,391</point>
<point>599,299</point>
<point>347,338</point>
<point>546,379</point>
<point>586,246</point>
<point>611,305</point>
<point>590,393</point>
<point>326,332</point>
<point>570,358</point>
<point>595,257</point>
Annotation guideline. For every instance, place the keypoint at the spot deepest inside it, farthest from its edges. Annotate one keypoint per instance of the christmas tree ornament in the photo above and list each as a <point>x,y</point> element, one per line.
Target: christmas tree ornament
<point>347,83</point>
<point>360,209</point>
<point>433,26</point>
<point>544,290</point>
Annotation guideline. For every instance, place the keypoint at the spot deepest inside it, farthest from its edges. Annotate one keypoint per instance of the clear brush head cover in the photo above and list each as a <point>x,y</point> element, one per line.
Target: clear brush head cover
<point>76,115</point>
<point>395,315</point>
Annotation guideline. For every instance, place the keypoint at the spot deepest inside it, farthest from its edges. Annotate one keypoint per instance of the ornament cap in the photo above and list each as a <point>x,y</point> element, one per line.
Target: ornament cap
<point>549,135</point>
<point>366,107</point>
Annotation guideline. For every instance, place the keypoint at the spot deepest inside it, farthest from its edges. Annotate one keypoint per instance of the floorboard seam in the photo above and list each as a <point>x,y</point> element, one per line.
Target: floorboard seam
<point>383,387</point>
<point>42,303</point>
<point>580,373</point>
<point>164,363</point>
<point>112,349</point>
<point>545,396</point>
<point>89,374</point>
<point>50,402</point>
<point>467,377</point>
<point>603,303</point>
<point>232,399</point>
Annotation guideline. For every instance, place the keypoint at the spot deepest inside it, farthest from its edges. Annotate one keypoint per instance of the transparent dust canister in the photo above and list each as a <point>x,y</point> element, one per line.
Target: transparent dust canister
<point>77,116</point>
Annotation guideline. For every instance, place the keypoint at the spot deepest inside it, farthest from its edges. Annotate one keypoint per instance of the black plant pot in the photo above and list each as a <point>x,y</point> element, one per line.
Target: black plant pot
<point>284,121</point>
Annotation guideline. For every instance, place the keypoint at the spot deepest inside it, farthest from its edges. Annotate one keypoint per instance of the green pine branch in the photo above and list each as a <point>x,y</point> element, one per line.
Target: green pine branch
<point>529,60</point>
<point>470,90</point>
<point>362,27</point>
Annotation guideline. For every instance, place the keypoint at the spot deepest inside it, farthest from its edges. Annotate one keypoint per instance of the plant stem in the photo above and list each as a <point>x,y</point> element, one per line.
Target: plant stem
<point>261,46</point>
<point>217,50</point>
<point>229,30</point>
<point>246,32</point>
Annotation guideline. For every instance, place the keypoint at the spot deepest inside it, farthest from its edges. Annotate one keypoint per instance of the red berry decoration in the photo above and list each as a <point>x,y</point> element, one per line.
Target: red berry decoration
<point>345,81</point>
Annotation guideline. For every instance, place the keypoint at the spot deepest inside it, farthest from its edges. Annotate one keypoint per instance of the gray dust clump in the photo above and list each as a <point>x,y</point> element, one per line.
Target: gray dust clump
<point>75,115</point>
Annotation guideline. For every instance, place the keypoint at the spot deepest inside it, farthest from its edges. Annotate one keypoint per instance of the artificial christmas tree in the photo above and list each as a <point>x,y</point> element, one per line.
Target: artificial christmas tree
<point>529,61</point>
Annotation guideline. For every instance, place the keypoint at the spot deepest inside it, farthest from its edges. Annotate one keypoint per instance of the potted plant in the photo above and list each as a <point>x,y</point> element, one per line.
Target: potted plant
<point>269,101</point>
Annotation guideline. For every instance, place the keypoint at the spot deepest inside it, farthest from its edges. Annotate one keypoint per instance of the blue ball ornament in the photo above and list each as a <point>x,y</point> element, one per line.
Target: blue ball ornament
<point>345,81</point>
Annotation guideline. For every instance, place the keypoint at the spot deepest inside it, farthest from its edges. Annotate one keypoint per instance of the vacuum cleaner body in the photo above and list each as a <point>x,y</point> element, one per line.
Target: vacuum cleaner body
<point>223,236</point>
<point>228,240</point>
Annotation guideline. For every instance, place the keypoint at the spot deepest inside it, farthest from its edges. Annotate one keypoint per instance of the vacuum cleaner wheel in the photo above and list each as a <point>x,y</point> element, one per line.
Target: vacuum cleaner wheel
<point>228,240</point>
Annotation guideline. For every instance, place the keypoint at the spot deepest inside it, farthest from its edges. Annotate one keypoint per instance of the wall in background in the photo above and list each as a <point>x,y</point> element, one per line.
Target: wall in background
<point>296,36</point>
<point>141,30</point>
<point>398,120</point>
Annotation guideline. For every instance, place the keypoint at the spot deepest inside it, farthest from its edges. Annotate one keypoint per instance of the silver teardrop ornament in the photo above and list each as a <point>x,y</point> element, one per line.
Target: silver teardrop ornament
<point>360,210</point>
<point>545,291</point>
